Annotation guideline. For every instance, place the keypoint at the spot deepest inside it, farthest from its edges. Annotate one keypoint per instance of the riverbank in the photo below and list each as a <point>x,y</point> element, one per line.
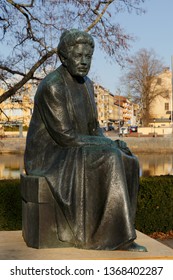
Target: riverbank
<point>16,145</point>
<point>150,144</point>
<point>13,145</point>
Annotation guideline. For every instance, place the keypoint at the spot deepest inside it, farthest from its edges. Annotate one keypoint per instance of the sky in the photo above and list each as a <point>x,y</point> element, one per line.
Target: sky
<point>152,30</point>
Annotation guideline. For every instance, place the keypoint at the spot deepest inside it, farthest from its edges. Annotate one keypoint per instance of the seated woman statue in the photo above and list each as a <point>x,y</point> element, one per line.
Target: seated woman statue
<point>93,179</point>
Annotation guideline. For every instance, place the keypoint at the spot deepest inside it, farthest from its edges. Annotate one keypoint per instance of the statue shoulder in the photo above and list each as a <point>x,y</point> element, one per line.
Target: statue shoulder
<point>89,81</point>
<point>90,84</point>
<point>52,83</point>
<point>53,79</point>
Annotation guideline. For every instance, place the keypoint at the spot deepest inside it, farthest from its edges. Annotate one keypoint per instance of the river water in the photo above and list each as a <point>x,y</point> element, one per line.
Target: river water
<point>150,165</point>
<point>11,165</point>
<point>155,164</point>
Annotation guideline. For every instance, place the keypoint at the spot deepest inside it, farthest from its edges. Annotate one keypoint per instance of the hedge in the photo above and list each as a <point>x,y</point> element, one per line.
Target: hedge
<point>155,204</point>
<point>15,128</point>
<point>154,209</point>
<point>10,205</point>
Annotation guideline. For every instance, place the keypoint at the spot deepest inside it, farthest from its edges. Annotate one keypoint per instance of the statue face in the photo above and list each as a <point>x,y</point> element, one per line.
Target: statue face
<point>79,60</point>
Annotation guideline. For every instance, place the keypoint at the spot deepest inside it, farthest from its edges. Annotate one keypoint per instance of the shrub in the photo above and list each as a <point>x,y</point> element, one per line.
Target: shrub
<point>10,205</point>
<point>154,209</point>
<point>15,128</point>
<point>155,204</point>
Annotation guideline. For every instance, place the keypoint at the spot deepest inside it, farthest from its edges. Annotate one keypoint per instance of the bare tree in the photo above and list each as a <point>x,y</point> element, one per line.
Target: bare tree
<point>29,29</point>
<point>142,82</point>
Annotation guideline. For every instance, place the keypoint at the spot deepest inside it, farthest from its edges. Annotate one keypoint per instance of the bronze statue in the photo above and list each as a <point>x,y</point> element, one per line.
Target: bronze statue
<point>94,180</point>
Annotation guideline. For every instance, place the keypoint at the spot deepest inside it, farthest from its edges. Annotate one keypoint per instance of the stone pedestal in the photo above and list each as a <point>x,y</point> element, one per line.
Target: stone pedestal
<point>39,227</point>
<point>12,247</point>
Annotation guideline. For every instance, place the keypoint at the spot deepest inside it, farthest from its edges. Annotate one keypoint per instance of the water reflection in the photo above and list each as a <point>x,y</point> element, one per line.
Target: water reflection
<point>11,166</point>
<point>150,165</point>
<point>155,164</point>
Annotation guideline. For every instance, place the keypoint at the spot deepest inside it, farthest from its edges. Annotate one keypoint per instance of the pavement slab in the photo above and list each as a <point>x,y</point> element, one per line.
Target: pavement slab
<point>13,247</point>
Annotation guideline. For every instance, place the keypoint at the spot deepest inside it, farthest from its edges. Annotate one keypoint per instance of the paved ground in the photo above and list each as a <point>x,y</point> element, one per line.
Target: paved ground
<point>12,145</point>
<point>168,242</point>
<point>12,247</point>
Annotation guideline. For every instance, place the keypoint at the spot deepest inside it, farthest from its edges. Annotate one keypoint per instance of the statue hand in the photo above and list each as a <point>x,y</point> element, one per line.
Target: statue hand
<point>123,146</point>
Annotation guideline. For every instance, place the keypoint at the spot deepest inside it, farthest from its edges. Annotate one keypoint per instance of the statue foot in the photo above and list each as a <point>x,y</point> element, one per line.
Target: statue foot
<point>134,247</point>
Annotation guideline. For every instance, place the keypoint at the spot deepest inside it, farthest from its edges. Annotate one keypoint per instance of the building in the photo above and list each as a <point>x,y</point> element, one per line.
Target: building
<point>129,112</point>
<point>161,106</point>
<point>18,108</point>
<point>112,110</point>
<point>108,111</point>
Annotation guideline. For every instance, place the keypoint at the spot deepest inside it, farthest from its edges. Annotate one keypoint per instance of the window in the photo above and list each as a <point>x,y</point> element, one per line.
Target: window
<point>166,106</point>
<point>17,112</point>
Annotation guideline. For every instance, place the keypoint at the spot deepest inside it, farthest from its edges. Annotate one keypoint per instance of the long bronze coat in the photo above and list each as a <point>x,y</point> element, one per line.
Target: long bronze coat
<point>94,183</point>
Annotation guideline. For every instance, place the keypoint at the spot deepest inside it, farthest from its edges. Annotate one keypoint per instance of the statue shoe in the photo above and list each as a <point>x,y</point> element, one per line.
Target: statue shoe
<point>134,247</point>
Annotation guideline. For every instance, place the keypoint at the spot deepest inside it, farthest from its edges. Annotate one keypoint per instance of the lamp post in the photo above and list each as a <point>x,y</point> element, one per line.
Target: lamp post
<point>154,128</point>
<point>119,110</point>
<point>172,94</point>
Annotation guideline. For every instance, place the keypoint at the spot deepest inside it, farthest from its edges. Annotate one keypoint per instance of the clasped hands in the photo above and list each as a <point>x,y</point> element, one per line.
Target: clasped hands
<point>122,146</point>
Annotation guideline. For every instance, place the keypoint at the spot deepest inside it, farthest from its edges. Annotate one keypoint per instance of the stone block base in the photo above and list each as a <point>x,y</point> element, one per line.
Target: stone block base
<point>39,227</point>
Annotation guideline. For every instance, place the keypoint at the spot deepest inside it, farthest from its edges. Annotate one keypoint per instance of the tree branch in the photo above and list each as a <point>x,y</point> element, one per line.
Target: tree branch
<point>100,15</point>
<point>5,68</point>
<point>22,8</point>
<point>27,77</point>
<point>21,5</point>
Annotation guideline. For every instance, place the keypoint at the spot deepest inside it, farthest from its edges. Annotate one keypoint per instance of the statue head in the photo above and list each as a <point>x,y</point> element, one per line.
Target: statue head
<point>75,51</point>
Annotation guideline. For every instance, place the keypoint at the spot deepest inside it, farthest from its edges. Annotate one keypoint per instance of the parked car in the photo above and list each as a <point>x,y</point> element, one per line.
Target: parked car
<point>134,128</point>
<point>123,131</point>
<point>107,128</point>
<point>110,127</point>
<point>104,128</point>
